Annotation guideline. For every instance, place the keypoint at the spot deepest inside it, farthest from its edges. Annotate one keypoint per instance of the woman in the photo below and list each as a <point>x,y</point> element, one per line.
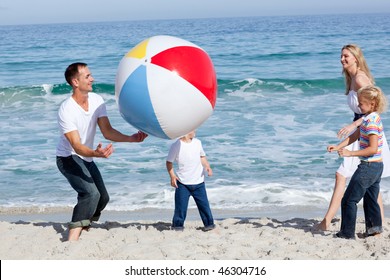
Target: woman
<point>357,75</point>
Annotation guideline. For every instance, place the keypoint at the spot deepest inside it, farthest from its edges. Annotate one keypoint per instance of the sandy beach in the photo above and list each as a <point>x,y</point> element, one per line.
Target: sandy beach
<point>42,236</point>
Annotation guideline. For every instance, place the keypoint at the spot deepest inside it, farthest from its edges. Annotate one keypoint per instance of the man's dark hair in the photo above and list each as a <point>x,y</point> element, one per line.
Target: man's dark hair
<point>72,71</point>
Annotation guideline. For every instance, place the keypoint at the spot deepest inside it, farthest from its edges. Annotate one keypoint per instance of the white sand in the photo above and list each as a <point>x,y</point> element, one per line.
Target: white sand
<point>233,239</point>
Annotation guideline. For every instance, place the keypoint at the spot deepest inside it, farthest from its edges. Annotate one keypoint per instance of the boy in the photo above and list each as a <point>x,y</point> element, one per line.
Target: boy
<point>189,179</point>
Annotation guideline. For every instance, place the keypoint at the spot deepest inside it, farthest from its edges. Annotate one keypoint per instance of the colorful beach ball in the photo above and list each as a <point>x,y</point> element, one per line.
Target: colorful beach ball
<point>166,86</point>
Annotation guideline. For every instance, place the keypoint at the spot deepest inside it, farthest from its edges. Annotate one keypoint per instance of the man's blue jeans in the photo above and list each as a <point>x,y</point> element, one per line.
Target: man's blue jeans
<point>364,183</point>
<point>86,180</point>
<point>182,196</point>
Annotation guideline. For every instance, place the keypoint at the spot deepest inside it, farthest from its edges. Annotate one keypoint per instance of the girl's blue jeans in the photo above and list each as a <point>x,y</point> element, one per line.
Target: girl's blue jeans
<point>86,180</point>
<point>363,184</point>
<point>182,196</point>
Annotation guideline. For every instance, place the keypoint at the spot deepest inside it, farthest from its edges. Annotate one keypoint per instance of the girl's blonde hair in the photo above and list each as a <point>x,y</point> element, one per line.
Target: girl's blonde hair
<point>361,64</point>
<point>374,93</point>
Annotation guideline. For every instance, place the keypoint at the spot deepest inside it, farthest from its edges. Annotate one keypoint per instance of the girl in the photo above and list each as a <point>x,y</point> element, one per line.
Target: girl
<point>365,181</point>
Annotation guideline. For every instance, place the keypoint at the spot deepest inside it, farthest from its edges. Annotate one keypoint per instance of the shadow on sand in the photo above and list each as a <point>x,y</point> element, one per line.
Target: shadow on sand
<point>307,225</point>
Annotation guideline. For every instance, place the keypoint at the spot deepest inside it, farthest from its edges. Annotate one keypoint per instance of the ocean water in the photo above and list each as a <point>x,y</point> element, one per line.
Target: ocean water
<point>280,103</point>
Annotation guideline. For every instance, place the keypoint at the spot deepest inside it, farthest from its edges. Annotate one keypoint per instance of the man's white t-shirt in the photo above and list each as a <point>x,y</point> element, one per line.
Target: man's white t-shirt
<point>189,170</point>
<point>71,116</point>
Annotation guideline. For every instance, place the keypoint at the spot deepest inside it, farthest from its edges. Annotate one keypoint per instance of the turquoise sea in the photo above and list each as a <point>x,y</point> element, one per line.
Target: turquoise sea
<point>280,103</point>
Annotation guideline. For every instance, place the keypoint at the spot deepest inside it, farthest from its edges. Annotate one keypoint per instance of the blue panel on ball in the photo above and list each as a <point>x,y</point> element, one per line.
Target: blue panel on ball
<point>135,105</point>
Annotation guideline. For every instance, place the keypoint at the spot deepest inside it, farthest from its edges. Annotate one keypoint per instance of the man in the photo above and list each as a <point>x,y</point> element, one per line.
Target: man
<point>78,117</point>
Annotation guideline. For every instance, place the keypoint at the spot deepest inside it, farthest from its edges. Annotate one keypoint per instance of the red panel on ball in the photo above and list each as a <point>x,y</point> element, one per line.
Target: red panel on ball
<point>192,64</point>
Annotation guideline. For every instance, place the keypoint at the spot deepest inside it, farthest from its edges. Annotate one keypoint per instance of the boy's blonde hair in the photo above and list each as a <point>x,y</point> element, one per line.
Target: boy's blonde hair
<point>374,93</point>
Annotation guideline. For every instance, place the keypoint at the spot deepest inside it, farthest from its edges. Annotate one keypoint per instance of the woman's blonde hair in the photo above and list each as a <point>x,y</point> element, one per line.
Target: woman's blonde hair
<point>361,64</point>
<point>374,93</point>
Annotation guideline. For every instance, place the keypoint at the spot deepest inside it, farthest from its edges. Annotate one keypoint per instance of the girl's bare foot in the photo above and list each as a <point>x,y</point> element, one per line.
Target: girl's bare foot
<point>322,226</point>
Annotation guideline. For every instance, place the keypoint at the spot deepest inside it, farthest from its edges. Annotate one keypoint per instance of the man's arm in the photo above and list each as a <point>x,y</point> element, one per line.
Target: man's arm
<point>112,134</point>
<point>82,150</point>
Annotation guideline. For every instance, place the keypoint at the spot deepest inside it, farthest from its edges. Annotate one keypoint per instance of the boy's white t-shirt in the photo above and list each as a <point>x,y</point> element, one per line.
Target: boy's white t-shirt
<point>189,170</point>
<point>72,117</point>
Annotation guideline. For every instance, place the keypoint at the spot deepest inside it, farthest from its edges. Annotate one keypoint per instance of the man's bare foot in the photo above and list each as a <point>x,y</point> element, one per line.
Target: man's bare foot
<point>87,228</point>
<point>74,234</point>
